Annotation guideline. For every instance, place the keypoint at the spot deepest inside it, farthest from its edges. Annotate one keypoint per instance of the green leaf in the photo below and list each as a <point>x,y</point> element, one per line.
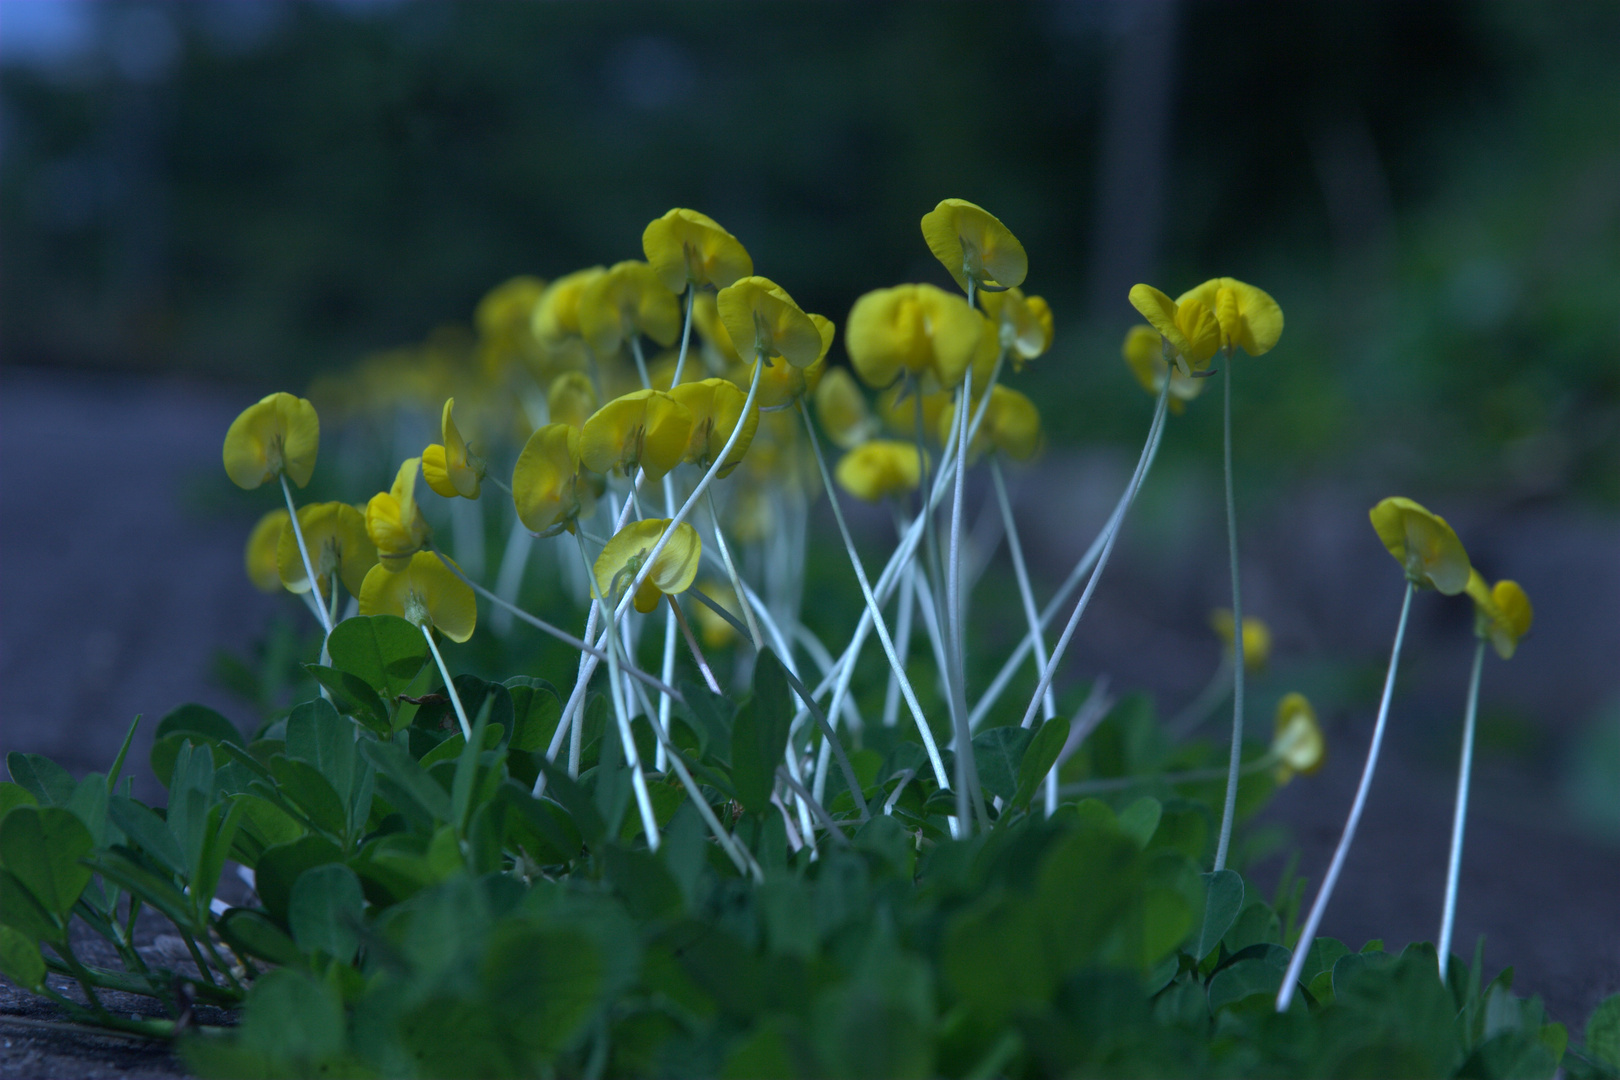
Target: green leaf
<point>292,1018</point>
<point>712,717</point>
<point>191,795</point>
<point>352,694</point>
<point>20,959</point>
<point>14,794</point>
<point>461,785</point>
<point>1140,820</point>
<point>536,710</point>
<point>318,736</point>
<point>1039,758</point>
<point>1243,979</point>
<point>575,800</point>
<point>148,832</point>
<point>998,753</point>
<point>759,734</point>
<point>1256,924</point>
<point>263,824</point>
<point>89,804</point>
<point>123,752</point>
<point>199,720</point>
<point>1321,956</point>
<point>223,822</point>
<point>994,958</point>
<point>543,983</point>
<point>19,909</point>
<point>1603,1031</point>
<point>130,870</point>
<point>648,889</point>
<point>1222,902</point>
<point>541,827</point>
<point>311,793</point>
<point>450,749</point>
<point>42,849</point>
<point>247,931</point>
<point>403,783</point>
<point>326,911</point>
<point>280,867</point>
<point>473,692</point>
<point>385,651</point>
<point>43,778</point>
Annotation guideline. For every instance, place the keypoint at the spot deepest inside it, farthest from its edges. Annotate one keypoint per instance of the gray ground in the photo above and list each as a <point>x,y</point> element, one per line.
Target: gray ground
<point>117,589</point>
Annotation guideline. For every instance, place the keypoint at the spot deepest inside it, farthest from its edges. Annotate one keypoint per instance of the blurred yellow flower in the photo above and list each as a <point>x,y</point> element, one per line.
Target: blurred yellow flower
<point>782,384</point>
<point>279,434</point>
<point>645,428</point>
<point>1297,742</point>
<point>1502,613</point>
<point>394,521</point>
<point>547,488</point>
<point>1249,318</point>
<point>686,247</point>
<point>425,592</point>
<point>571,399</point>
<point>259,557</point>
<point>880,468</point>
<point>1424,545</point>
<point>716,406</point>
<point>629,299</point>
<point>1011,424</point>
<point>1190,328</point>
<point>913,328</point>
<point>504,319</point>
<point>450,468</point>
<point>842,410</point>
<point>1256,637</point>
<point>706,317</point>
<point>556,315</point>
<point>335,534</point>
<point>898,407</point>
<point>974,245</point>
<point>1144,353</point>
<point>623,556</point>
<point>763,323</point>
<point>713,630</point>
<point>1023,323</point>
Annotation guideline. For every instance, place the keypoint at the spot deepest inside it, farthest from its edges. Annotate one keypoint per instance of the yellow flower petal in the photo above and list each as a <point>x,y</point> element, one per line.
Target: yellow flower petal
<point>1424,545</point>
<point>1144,353</point>
<point>1024,323</point>
<point>280,433</point>
<point>1248,317</point>
<point>898,406</point>
<point>556,315</point>
<point>259,557</point>
<point>451,468</point>
<point>645,428</point>
<point>1011,424</point>
<point>394,521</point>
<point>622,557</point>
<point>1298,741</point>
<point>571,399</point>
<point>706,317</point>
<point>1502,613</point>
<point>1256,637</point>
<point>783,384</point>
<point>973,243</point>
<point>1190,328</point>
<point>914,328</point>
<point>547,490</point>
<point>716,407</point>
<point>425,592</point>
<point>880,468</point>
<point>763,322</point>
<point>630,298</point>
<point>335,535</point>
<point>842,410</point>
<point>685,247</point>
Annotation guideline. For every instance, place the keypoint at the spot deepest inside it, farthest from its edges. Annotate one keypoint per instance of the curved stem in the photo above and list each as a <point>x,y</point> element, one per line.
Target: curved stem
<point>736,579</point>
<point>303,553</point>
<point>1190,718</point>
<point>1015,548</point>
<point>1230,810</point>
<point>1460,818</point>
<point>449,685</point>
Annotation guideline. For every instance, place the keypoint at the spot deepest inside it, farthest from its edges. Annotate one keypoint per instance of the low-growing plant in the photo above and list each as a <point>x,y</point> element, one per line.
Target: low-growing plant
<point>731,846</point>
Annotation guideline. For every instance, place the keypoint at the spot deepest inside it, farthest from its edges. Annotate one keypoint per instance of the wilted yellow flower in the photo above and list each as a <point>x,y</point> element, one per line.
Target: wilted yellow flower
<point>425,592</point>
<point>1248,316</point>
<point>1256,637</point>
<point>686,247</point>
<point>279,434</point>
<point>1144,352</point>
<point>1502,613</point>
<point>394,521</point>
<point>1297,743</point>
<point>259,557</point>
<point>629,299</point>
<point>1424,545</point>
<point>623,556</point>
<point>1011,424</point>
<point>450,468</point>
<point>1190,328</point>
<point>716,406</point>
<point>880,468</point>
<point>1023,324</point>
<point>915,328</point>
<point>335,534</point>
<point>547,488</point>
<point>644,428</point>
<point>974,244</point>
<point>763,323</point>
<point>556,315</point>
<point>842,410</point>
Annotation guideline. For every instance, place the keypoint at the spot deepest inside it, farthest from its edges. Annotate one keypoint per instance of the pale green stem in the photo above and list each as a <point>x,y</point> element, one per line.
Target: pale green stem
<point>969,796</point>
<point>692,643</point>
<point>303,552</point>
<point>736,579</point>
<point>1189,719</point>
<point>627,739</point>
<point>1015,548</point>
<point>902,643</point>
<point>449,685</point>
<point>686,336</point>
<point>509,578</point>
<point>1191,776</point>
<point>1307,933</point>
<point>1460,819</point>
<point>1229,813</point>
<point>816,808</point>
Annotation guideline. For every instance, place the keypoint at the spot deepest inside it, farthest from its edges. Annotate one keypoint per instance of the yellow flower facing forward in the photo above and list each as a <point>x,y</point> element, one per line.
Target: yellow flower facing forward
<point>547,488</point>
<point>425,592</point>
<point>1502,613</point>
<point>1144,353</point>
<point>783,384</point>
<point>1425,546</point>
<point>880,468</point>
<point>629,299</point>
<point>1011,424</point>
<point>1023,323</point>
<point>394,521</point>
<point>1256,637</point>
<point>919,329</point>
<point>763,323</point>
<point>1190,328</point>
<point>842,410</point>
<point>716,406</point>
<point>686,248</point>
<point>624,555</point>
<point>1297,742</point>
<point>645,428</point>
<point>336,536</point>
<point>259,557</point>
<point>1248,317</point>
<point>974,245</point>
<point>556,315</point>
<point>571,399</point>
<point>450,468</point>
<point>279,434</point>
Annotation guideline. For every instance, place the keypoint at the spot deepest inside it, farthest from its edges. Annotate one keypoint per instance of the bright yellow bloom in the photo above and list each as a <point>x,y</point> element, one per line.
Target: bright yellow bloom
<point>974,244</point>
<point>1144,352</point>
<point>556,315</point>
<point>1190,328</point>
<point>1425,546</point>
<point>335,534</point>
<point>1256,637</point>
<point>716,406</point>
<point>880,468</point>
<point>279,434</point>
<point>1502,613</point>
<point>450,468</point>
<point>782,384</point>
<point>1297,743</point>
<point>644,428</point>
<point>1248,316</point>
<point>1024,324</point>
<point>686,247</point>
<point>394,521</point>
<point>623,556</point>
<point>763,322</point>
<point>260,555</point>
<point>1011,424</point>
<point>571,399</point>
<point>547,488</point>
<point>842,410</point>
<point>629,299</point>
<point>915,328</point>
<point>425,592</point>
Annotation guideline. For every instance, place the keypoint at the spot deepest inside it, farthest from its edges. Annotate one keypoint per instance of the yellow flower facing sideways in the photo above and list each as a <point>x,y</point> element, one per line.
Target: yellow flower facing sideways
<point>1256,637</point>
<point>259,557</point>
<point>645,428</point>
<point>624,555</point>
<point>1190,329</point>
<point>842,410</point>
<point>1426,547</point>
<point>1011,424</point>
<point>394,521</point>
<point>335,534</point>
<point>425,592</point>
<point>556,314</point>
<point>1023,324</point>
<point>880,468</point>
<point>280,434</point>
<point>1502,613</point>
<point>505,322</point>
<point>764,323</point>
<point>547,488</point>
<point>783,384</point>
<point>1248,317</point>
<point>1144,354</point>
<point>571,399</point>
<point>450,468</point>
<point>629,299</point>
<point>1297,742</point>
<point>974,245</point>
<point>716,406</point>
<point>688,248</point>
<point>919,329</point>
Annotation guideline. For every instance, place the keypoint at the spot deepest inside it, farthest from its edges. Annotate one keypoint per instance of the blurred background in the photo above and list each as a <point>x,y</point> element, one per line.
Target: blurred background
<point>201,203</point>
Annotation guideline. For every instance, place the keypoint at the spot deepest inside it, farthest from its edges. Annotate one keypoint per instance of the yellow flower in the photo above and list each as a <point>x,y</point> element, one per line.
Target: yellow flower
<point>1424,545</point>
<point>556,315</point>
<point>915,328</point>
<point>1190,328</point>
<point>1144,352</point>
<point>450,468</point>
<point>335,534</point>
<point>630,298</point>
<point>645,428</point>
<point>1502,613</point>
<point>1011,424</point>
<point>763,322</point>
<point>425,592</point>
<point>880,468</point>
<point>716,406</point>
<point>685,247</point>
<point>713,631</point>
<point>1248,316</point>
<point>781,384</point>
<point>280,434</point>
<point>1256,637</point>
<point>898,406</point>
<point>622,557</point>
<point>1024,324</point>
<point>260,554</point>
<point>706,317</point>
<point>842,410</point>
<point>547,488</point>
<point>571,399</point>
<point>504,318</point>
<point>394,521</point>
<point>1297,743</point>
<point>974,244</point>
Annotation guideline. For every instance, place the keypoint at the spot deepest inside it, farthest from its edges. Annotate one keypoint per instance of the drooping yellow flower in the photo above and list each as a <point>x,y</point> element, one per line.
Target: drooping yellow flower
<point>571,399</point>
<point>623,556</point>
<point>335,534</point>
<point>645,428</point>
<point>259,557</point>
<point>974,244</point>
<point>425,592</point>
<point>1249,318</point>
<point>556,315</point>
<point>686,247</point>
<point>1011,424</point>
<point>1425,546</point>
<point>629,299</point>
<point>1023,324</point>
<point>842,410</point>
<point>782,384</point>
<point>394,521</point>
<point>1190,328</point>
<point>716,406</point>
<point>1144,352</point>
<point>547,488</point>
<point>880,468</point>
<point>279,434</point>
<point>763,323</point>
<point>1256,637</point>
<point>1297,742</point>
<point>450,468</point>
<point>915,328</point>
<point>1502,613</point>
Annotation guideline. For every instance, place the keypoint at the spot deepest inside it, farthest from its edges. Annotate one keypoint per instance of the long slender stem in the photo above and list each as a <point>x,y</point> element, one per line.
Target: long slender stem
<point>736,579</point>
<point>1015,548</point>
<point>1230,810</point>
<point>627,739</point>
<point>1307,933</point>
<point>303,553</point>
<point>968,793</point>
<point>1191,776</point>
<point>449,686</point>
<point>1209,698</point>
<point>692,644</point>
<point>1460,819</point>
